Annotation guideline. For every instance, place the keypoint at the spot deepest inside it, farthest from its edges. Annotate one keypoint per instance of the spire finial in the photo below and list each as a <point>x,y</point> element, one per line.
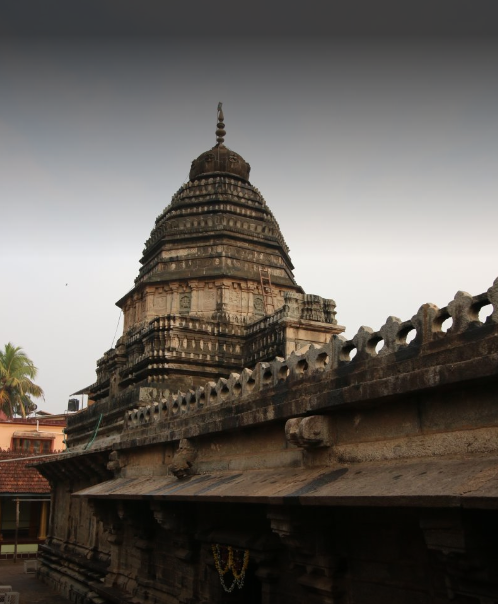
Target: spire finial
<point>220,132</point>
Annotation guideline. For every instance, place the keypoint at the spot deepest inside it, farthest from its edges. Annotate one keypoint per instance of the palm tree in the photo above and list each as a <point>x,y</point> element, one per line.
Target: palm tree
<point>16,374</point>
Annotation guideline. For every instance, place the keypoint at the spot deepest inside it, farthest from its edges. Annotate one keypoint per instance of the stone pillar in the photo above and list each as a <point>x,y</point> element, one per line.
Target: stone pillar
<point>42,532</point>
<point>195,302</point>
<point>149,305</point>
<point>175,303</point>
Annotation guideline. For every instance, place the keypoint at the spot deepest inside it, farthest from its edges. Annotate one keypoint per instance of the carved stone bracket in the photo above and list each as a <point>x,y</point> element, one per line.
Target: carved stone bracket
<point>183,459</point>
<point>116,462</point>
<point>284,524</point>
<point>166,516</point>
<point>309,432</point>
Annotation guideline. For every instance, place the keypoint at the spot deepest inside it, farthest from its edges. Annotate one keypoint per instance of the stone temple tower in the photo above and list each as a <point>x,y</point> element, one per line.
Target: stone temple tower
<point>215,292</point>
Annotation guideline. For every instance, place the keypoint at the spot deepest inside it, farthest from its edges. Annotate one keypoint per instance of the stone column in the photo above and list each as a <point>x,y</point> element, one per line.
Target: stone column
<point>42,532</point>
<point>195,305</point>
<point>175,303</point>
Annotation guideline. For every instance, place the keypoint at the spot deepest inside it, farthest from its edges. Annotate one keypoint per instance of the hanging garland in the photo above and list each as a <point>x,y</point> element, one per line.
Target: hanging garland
<point>226,558</point>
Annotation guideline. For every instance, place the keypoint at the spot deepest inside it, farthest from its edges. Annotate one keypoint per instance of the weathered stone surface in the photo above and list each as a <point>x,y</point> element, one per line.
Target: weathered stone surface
<point>183,459</point>
<point>415,428</point>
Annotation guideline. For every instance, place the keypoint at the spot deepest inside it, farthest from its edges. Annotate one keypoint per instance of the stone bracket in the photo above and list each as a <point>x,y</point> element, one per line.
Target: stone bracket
<point>183,459</point>
<point>309,432</point>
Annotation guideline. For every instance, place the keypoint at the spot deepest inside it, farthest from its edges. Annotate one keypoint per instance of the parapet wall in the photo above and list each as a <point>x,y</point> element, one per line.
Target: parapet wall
<point>331,376</point>
<point>322,380</point>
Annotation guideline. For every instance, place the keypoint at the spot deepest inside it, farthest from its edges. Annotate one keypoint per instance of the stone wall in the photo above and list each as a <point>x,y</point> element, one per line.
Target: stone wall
<point>344,479</point>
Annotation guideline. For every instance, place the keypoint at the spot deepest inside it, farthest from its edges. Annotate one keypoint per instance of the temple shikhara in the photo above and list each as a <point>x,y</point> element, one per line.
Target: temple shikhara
<point>238,451</point>
<point>215,292</point>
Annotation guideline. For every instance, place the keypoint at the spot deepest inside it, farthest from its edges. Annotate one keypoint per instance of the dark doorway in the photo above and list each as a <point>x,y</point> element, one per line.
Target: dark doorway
<point>250,593</point>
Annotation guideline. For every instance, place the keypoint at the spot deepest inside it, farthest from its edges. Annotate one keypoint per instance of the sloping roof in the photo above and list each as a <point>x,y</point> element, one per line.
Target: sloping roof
<point>424,482</point>
<point>16,477</point>
<point>51,420</point>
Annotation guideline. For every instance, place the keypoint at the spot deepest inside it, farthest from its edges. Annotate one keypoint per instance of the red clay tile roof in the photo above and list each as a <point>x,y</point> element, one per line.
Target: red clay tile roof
<point>16,477</point>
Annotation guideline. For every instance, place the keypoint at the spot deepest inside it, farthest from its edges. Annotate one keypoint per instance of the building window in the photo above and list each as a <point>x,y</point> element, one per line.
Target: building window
<point>32,445</point>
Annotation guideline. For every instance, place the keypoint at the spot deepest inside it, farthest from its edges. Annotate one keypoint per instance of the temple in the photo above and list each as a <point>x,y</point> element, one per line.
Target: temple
<point>237,451</point>
<point>215,292</point>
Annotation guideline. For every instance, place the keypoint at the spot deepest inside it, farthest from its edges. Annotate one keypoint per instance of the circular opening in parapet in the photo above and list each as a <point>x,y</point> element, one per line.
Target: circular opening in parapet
<point>485,312</point>
<point>302,366</point>
<point>410,335</point>
<point>164,407</point>
<point>283,372</point>
<point>202,400</point>
<point>237,388</point>
<point>184,404</point>
<point>322,360</point>
<point>176,407</point>
<point>267,376</point>
<point>141,417</point>
<point>379,346</point>
<point>352,353</point>
<point>156,408</point>
<point>250,384</point>
<point>212,397</point>
<point>446,324</point>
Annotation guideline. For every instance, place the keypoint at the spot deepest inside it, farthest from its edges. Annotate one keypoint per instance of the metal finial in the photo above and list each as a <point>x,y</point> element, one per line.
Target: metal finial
<point>220,132</point>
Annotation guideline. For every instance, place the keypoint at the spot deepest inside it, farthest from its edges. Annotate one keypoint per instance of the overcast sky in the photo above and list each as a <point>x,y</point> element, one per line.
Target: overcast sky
<point>371,131</point>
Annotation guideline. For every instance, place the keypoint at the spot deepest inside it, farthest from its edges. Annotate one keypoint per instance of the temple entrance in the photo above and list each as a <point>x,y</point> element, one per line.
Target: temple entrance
<point>236,575</point>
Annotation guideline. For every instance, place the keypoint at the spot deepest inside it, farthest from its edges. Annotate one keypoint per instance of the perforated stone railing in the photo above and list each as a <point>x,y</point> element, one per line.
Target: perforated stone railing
<point>427,324</point>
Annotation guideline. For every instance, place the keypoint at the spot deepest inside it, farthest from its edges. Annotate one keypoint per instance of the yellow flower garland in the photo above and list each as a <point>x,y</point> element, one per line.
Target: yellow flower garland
<point>238,576</point>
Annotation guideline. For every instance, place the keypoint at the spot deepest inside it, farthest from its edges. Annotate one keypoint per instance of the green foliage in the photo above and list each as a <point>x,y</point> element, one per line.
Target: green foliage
<point>17,373</point>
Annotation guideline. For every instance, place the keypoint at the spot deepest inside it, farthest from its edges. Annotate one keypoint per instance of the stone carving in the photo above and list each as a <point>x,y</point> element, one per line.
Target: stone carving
<point>309,432</point>
<point>117,461</point>
<point>185,302</point>
<point>259,305</point>
<point>309,307</point>
<point>183,459</point>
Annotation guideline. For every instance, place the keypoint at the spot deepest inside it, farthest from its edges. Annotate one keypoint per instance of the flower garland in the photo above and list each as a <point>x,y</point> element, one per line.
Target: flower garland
<point>234,562</point>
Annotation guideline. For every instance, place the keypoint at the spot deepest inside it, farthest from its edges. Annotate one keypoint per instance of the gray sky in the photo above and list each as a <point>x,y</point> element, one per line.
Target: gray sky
<point>374,142</point>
